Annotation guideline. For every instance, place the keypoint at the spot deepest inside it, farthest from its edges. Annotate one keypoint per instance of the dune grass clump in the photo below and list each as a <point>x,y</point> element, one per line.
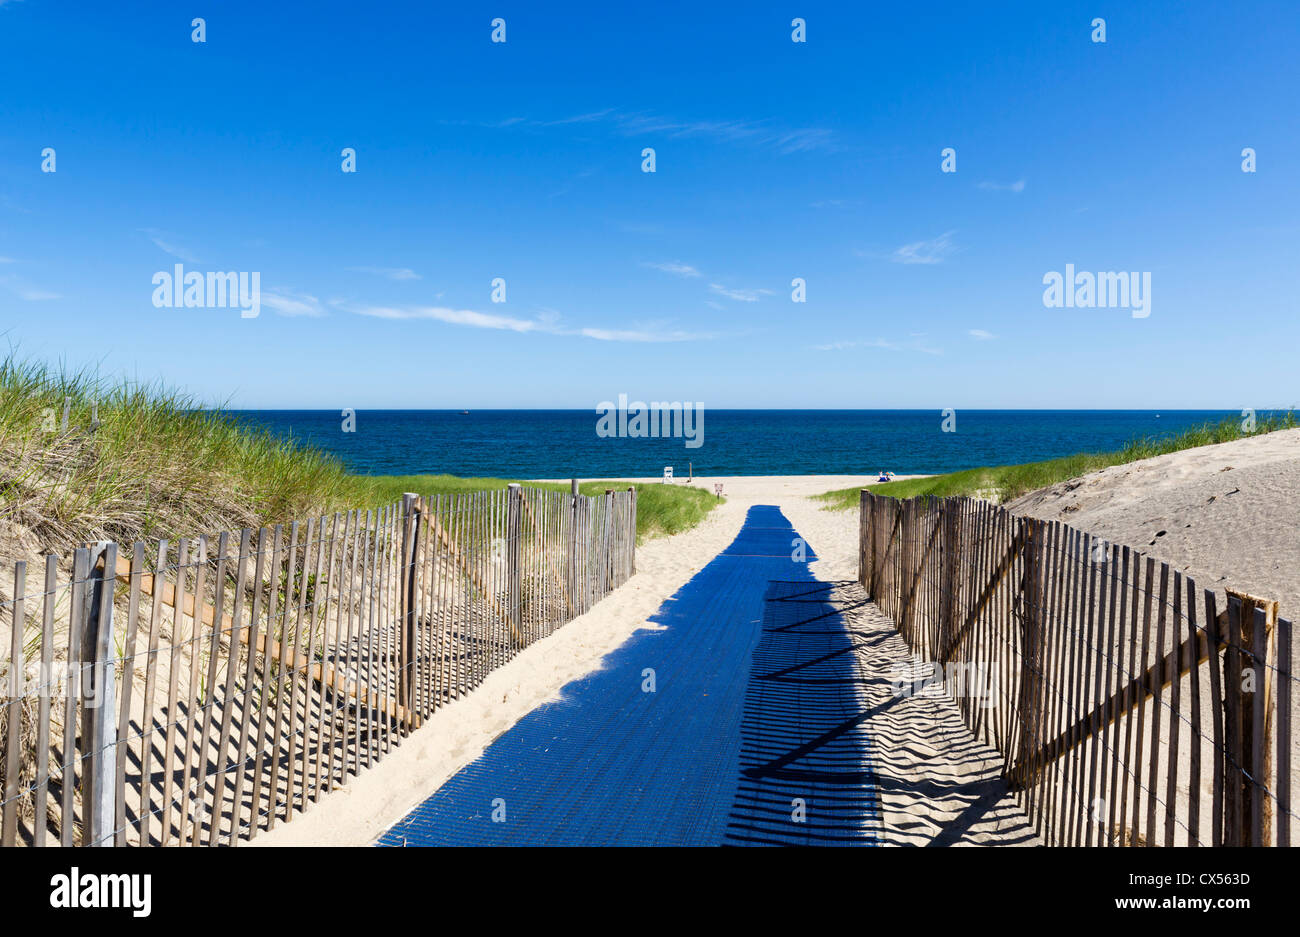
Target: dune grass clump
<point>140,461</point>
<point>1207,434</point>
<point>1007,482</point>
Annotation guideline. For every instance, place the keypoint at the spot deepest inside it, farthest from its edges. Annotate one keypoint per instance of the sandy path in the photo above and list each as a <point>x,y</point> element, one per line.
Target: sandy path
<point>922,745</point>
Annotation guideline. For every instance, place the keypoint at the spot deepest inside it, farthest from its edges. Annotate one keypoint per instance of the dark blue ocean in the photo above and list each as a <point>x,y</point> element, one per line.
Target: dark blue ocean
<point>564,443</point>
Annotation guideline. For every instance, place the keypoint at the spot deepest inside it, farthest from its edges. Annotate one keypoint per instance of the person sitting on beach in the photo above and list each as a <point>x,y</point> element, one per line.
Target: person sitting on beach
<point>886,477</point>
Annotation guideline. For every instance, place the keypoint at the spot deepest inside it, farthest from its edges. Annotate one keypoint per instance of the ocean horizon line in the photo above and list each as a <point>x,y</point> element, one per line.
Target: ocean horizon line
<point>711,409</point>
<point>564,443</point>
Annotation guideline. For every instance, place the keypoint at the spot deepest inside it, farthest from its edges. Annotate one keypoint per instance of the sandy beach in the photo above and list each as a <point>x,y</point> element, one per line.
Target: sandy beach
<point>1228,512</point>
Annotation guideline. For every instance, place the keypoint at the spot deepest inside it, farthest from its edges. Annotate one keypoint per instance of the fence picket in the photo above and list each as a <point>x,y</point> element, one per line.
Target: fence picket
<point>1065,620</point>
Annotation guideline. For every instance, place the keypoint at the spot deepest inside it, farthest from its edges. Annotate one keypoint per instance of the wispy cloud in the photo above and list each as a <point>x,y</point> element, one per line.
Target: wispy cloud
<point>642,335</point>
<point>10,204</point>
<point>392,273</point>
<point>1017,186</point>
<point>588,118</point>
<point>570,183</point>
<point>916,343</point>
<point>925,252</point>
<point>167,242</point>
<point>980,334</point>
<point>784,140</point>
<point>744,296</point>
<point>24,290</point>
<point>548,322</point>
<point>469,317</point>
<point>686,271</point>
<point>675,267</point>
<point>756,133</point>
<point>288,303</point>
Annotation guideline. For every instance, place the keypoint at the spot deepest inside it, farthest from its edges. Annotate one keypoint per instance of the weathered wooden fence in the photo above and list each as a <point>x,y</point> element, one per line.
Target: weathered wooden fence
<point>1128,706</point>
<point>199,691</point>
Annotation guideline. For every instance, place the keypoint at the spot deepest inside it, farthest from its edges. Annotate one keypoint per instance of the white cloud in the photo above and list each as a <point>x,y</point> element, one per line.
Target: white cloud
<point>982,335</point>
<point>287,303</point>
<point>641,335</point>
<point>24,290</point>
<point>784,140</point>
<point>1017,186</point>
<point>7,260</point>
<point>744,296</point>
<point>925,252</point>
<point>467,317</point>
<point>166,242</point>
<point>591,118</point>
<point>686,271</point>
<point>915,344</point>
<point>392,273</point>
<point>675,267</point>
<point>548,322</point>
<point>34,294</point>
<point>858,343</point>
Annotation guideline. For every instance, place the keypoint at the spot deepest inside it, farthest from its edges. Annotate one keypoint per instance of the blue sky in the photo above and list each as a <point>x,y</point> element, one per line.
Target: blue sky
<point>774,160</point>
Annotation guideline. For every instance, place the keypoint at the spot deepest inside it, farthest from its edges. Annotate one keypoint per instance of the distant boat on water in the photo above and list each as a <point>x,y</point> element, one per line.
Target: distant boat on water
<point>464,413</point>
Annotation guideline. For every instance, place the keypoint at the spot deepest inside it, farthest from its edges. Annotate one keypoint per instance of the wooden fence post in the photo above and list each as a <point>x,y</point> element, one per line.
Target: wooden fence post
<point>1283,733</point>
<point>14,695</point>
<point>607,537</point>
<point>514,534</point>
<point>99,738</point>
<point>863,537</point>
<point>1248,687</point>
<point>898,593</point>
<point>411,510</point>
<point>947,579</point>
<point>1232,729</point>
<point>1263,633</point>
<point>631,493</point>
<point>582,514</point>
<point>575,605</point>
<point>1031,653</point>
<point>874,511</point>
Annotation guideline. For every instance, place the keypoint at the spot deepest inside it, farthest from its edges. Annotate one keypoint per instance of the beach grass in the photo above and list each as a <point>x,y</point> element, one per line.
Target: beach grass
<point>1004,483</point>
<point>143,461</point>
<point>140,460</point>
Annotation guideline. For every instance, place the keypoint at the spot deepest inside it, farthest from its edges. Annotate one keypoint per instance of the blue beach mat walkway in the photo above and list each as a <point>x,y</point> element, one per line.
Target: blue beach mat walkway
<point>752,734</point>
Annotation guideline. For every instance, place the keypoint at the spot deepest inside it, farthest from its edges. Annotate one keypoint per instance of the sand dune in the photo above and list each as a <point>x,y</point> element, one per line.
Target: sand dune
<point>1225,515</point>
